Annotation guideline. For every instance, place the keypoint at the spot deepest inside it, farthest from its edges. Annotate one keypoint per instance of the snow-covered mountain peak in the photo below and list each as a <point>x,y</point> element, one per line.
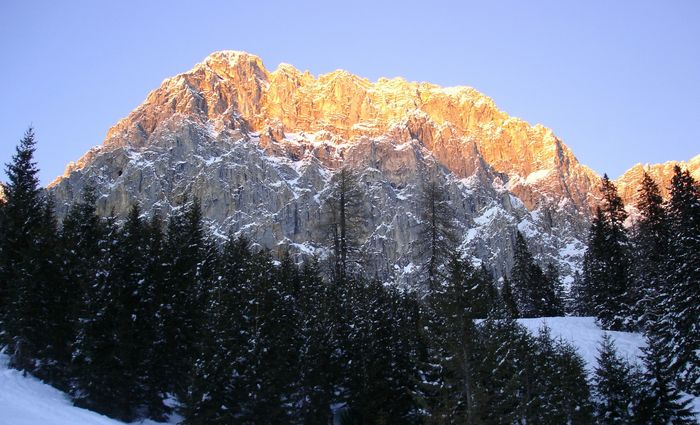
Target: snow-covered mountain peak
<point>240,138</point>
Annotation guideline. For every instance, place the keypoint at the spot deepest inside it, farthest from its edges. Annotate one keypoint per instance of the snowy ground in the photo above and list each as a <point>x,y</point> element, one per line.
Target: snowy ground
<point>27,401</point>
<point>583,333</point>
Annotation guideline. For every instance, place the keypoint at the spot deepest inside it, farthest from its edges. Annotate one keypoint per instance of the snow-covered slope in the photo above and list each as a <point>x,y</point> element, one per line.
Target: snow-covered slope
<point>583,333</point>
<point>25,400</point>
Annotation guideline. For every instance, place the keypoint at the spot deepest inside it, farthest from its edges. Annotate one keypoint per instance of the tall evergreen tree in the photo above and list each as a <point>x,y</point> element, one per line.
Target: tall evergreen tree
<point>606,262</point>
<point>504,346</point>
<point>651,239</point>
<point>320,356</point>
<point>553,292</point>
<point>343,219</point>
<point>572,391</point>
<point>508,298</point>
<point>451,385</point>
<point>378,347</point>
<point>660,401</point>
<point>535,293</point>
<point>579,298</point>
<point>97,364</point>
<point>24,283</point>
<point>522,279</point>
<point>222,381</point>
<point>190,261</point>
<point>437,237</point>
<point>155,290</point>
<point>680,328</point>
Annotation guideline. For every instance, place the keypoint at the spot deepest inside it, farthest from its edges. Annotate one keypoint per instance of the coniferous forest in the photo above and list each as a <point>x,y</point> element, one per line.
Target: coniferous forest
<point>141,316</point>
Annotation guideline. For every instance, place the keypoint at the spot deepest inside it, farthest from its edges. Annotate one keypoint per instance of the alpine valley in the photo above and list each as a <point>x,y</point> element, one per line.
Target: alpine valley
<point>258,149</point>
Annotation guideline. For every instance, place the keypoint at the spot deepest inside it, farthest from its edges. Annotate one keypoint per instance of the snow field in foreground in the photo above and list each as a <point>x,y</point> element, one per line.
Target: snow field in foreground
<point>25,400</point>
<point>585,335</point>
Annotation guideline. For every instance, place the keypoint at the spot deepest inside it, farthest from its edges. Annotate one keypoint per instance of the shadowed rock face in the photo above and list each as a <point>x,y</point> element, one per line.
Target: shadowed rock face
<point>258,148</point>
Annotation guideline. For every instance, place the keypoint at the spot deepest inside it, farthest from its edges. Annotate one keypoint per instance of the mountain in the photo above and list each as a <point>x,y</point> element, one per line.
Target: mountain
<point>628,183</point>
<point>258,148</point>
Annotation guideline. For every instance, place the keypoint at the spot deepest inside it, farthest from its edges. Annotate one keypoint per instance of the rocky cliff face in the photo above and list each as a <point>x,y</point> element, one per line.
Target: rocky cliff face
<point>628,183</point>
<point>258,148</point>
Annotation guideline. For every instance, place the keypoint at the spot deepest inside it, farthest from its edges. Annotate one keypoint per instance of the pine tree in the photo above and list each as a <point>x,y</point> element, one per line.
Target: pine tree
<point>155,384</point>
<point>572,391</point>
<point>508,298</point>
<point>320,362</point>
<point>660,401</point>
<point>542,394</point>
<point>50,301</point>
<point>680,328</point>
<point>579,299</point>
<point>132,317</point>
<point>437,237</point>
<point>613,392</point>
<point>343,219</point>
<point>450,385</point>
<point>535,293</point>
<point>503,346</point>
<point>221,385</point>
<point>606,262</point>
<point>26,278</point>
<point>522,279</point>
<point>103,380</point>
<point>552,292</point>
<point>190,261</point>
<point>82,241</point>
<point>651,245</point>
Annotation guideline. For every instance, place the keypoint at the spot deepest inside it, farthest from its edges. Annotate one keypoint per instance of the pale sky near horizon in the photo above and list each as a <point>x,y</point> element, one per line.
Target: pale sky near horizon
<point>618,81</point>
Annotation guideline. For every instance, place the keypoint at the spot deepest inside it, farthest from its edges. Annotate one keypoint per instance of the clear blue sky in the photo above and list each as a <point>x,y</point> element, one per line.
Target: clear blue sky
<point>618,81</point>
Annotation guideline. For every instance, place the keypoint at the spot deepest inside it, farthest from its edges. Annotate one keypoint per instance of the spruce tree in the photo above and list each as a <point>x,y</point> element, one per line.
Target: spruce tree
<point>535,293</point>
<point>680,326</point>
<point>103,383</point>
<point>155,384</point>
<point>508,298</point>
<point>522,278</point>
<point>451,385</point>
<point>579,299</point>
<point>503,346</point>
<point>614,394</point>
<point>132,314</point>
<point>552,292</point>
<point>651,239</point>
<point>572,391</point>
<point>660,401</point>
<point>542,392</point>
<point>221,384</point>
<point>320,358</point>
<point>55,353</point>
<point>190,261</point>
<point>606,262</point>
<point>24,281</point>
